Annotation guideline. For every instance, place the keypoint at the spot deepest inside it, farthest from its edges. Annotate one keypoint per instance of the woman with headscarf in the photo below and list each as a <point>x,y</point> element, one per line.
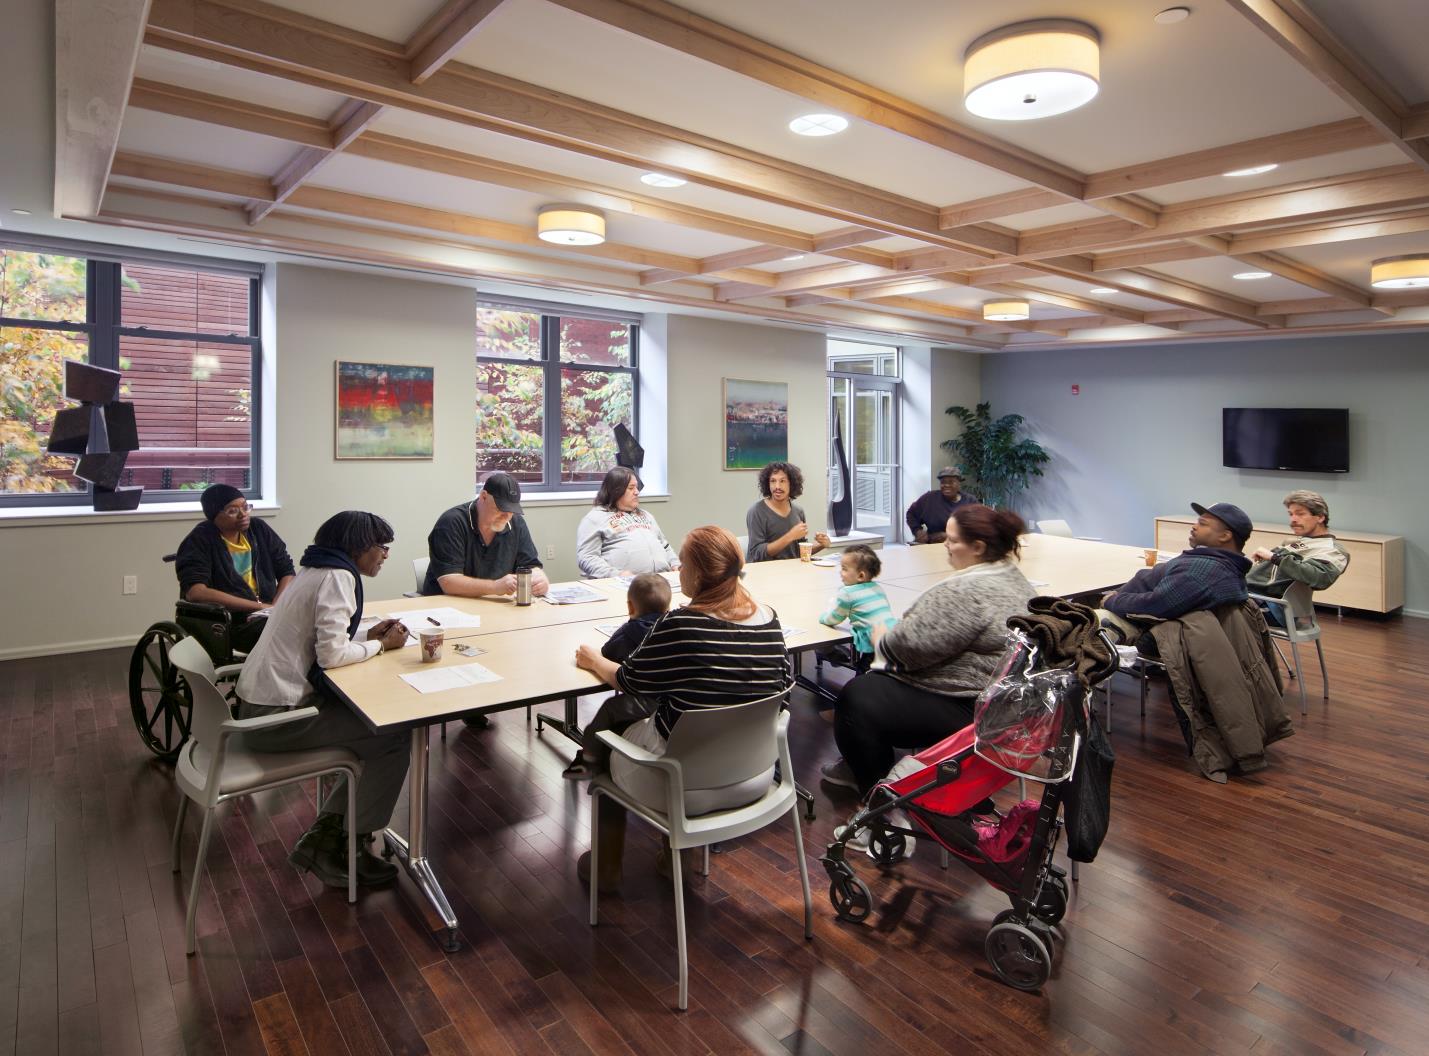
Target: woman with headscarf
<point>313,629</point>
<point>723,648</point>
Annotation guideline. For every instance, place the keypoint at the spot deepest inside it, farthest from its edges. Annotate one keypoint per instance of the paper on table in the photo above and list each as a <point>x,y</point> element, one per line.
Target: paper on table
<point>1040,582</point>
<point>442,678</point>
<point>447,618</point>
<point>368,622</point>
<point>573,594</point>
<point>827,561</point>
<point>790,632</point>
<point>607,629</point>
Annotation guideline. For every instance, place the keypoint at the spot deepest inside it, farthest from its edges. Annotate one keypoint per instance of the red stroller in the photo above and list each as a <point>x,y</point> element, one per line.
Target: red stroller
<point>1028,724</point>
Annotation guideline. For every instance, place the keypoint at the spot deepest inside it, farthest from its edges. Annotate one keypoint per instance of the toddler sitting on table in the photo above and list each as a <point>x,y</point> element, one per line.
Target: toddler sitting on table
<point>647,599</point>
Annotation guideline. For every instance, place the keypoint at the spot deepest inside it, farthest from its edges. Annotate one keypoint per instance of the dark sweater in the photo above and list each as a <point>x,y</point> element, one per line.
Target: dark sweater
<point>204,560</point>
<point>623,642</point>
<point>932,509</point>
<point>1200,578</point>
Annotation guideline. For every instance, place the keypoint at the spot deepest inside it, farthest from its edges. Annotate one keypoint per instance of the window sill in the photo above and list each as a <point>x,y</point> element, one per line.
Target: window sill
<point>573,498</point>
<point>35,516</point>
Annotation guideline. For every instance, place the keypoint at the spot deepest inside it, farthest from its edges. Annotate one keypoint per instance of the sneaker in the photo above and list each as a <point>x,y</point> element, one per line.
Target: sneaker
<point>859,842</point>
<point>838,773</point>
<point>580,769</point>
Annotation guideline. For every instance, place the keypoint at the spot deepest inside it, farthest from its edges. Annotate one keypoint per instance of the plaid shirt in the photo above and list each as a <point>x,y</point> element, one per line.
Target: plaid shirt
<point>1200,578</point>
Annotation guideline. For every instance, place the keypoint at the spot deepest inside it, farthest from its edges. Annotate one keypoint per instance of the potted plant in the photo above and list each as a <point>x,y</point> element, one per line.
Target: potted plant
<point>998,463</point>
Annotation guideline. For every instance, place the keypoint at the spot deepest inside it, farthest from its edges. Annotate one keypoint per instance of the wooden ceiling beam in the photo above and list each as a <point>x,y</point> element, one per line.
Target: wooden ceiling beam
<point>96,49</point>
<point>1028,200</point>
<point>1298,32</point>
<point>248,34</point>
<point>1314,142</point>
<point>1276,264</point>
<point>1066,300</point>
<point>803,280</point>
<point>1164,288</point>
<point>1416,122</point>
<point>230,113</point>
<point>428,52</point>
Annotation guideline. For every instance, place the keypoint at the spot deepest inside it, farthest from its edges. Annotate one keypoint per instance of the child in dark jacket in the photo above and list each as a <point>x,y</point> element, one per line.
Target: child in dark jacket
<point>647,600</point>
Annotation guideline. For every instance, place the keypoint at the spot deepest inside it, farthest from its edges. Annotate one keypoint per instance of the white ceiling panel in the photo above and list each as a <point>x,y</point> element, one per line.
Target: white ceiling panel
<point>1348,161</point>
<point>1389,35</point>
<point>1216,273</point>
<point>1350,261</point>
<point>215,78</point>
<point>180,139</point>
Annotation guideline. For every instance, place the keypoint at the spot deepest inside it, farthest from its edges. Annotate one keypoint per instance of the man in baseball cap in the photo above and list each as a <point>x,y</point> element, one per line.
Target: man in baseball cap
<point>477,547</point>
<point>928,516</point>
<point>1209,574</point>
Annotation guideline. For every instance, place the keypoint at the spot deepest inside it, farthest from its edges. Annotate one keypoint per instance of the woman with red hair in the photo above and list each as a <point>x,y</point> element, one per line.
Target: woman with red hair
<point>723,648</point>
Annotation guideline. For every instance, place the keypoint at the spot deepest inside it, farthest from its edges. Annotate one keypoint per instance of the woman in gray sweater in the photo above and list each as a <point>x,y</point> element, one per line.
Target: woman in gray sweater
<point>940,655</point>
<point>617,537</point>
<point>775,524</point>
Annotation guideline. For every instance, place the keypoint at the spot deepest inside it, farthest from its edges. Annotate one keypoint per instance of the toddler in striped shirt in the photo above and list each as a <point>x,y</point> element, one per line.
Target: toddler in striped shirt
<point>861,601</point>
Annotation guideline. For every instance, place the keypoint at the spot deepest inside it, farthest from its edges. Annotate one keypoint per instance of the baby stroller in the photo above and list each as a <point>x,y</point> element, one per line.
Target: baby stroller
<point>1028,724</point>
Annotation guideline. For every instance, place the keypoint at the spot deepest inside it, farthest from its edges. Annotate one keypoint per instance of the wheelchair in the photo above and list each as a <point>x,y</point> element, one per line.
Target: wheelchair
<point>159,698</point>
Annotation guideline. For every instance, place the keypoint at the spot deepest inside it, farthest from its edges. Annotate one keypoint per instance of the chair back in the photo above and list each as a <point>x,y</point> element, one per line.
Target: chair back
<point>718,747</point>
<point>419,570</point>
<point>743,543</point>
<point>1300,621</point>
<point>210,710</point>
<point>1054,527</point>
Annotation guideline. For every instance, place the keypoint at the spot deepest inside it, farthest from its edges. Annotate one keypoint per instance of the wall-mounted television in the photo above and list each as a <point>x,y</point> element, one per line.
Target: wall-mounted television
<point>1303,439</point>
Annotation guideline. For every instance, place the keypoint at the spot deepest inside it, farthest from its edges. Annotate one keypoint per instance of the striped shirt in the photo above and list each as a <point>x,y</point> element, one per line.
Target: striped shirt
<point>865,606</point>
<point>692,660</point>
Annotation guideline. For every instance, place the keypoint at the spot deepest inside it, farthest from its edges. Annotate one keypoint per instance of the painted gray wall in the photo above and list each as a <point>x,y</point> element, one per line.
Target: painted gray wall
<point>1144,436</point>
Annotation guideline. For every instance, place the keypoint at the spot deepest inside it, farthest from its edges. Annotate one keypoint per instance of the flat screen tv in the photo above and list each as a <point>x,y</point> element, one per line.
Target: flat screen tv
<point>1303,439</point>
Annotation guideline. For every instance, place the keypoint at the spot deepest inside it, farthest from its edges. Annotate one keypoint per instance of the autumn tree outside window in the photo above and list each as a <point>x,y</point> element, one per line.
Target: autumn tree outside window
<point>551,385</point>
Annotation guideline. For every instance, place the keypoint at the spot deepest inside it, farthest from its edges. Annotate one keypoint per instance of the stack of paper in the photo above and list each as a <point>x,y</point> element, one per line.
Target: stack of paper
<point>437,679</point>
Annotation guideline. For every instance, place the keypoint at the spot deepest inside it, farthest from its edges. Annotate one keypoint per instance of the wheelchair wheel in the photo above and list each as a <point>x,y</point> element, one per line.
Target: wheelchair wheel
<point>159,698</point>
<point>851,898</point>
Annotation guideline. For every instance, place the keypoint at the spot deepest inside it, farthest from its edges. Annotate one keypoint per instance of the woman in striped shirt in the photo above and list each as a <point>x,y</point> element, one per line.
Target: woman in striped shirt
<point>723,648</point>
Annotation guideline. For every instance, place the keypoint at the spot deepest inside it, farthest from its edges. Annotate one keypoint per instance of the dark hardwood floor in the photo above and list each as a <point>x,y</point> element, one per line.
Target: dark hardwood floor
<point>1283,913</point>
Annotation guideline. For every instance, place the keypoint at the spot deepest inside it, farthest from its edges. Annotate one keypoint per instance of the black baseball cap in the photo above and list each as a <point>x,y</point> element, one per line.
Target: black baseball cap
<point>1233,517</point>
<point>505,491</point>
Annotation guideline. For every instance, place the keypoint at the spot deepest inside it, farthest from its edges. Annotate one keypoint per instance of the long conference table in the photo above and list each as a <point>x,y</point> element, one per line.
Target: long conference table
<point>531,650</point>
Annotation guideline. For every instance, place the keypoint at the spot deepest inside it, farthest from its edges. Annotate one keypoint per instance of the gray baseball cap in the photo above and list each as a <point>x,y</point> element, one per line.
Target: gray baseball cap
<point>950,471</point>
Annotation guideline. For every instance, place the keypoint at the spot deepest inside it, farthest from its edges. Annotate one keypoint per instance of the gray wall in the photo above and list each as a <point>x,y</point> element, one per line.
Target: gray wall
<point>1144,436</point>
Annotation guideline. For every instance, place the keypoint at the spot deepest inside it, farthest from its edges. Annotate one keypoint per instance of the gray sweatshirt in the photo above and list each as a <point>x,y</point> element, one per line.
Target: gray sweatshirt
<point>764,526</point>
<point>950,639</point>
<point>609,542</point>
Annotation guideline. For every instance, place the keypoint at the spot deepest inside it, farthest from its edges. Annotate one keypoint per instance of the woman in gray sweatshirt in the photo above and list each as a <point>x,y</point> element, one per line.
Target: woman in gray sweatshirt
<point>617,536</point>
<point>941,654</point>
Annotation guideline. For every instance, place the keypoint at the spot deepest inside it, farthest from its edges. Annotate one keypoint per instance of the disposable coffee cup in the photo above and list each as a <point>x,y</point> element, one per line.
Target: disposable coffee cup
<point>1150,558</point>
<point>806,551</point>
<point>431,645</point>
<point>523,587</point>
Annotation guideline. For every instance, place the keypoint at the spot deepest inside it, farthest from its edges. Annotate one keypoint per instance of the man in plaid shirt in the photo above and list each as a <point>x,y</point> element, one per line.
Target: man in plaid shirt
<point>1211,573</point>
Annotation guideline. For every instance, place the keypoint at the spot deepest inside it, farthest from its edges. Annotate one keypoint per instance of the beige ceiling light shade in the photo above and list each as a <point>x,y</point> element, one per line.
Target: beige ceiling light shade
<point>570,225</point>
<point>1400,273</point>
<point>1032,69</point>
<point>1006,311</point>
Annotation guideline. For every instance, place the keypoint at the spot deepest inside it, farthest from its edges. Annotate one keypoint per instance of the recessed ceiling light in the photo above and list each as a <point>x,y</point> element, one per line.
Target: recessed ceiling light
<point>793,256</point>
<point>1254,170</point>
<point>1032,69</point>
<point>1006,311</point>
<point>1247,276</point>
<point>660,179</point>
<point>1103,290</point>
<point>20,212</point>
<point>570,225</point>
<point>1400,273</point>
<point>1171,16</point>
<point>818,124</point>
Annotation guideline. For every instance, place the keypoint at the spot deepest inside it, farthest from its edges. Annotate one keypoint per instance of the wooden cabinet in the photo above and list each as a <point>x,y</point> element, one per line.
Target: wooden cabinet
<point>1373,582</point>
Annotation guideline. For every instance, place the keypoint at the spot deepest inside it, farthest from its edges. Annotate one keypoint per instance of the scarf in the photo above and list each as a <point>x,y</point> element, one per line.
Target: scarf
<point>326,557</point>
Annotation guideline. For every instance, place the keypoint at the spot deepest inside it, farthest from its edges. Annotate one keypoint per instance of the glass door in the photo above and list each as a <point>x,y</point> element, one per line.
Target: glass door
<point>866,410</point>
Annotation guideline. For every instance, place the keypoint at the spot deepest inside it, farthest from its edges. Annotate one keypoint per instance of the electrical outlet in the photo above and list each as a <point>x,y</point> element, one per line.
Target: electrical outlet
<point>131,584</point>
<point>550,551</point>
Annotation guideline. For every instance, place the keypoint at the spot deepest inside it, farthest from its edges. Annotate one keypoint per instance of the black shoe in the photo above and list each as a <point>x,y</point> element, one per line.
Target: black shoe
<point>372,871</point>
<point>322,851</point>
<point>476,721</point>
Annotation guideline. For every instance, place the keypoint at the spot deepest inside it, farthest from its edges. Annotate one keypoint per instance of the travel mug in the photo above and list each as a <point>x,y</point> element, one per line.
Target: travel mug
<point>523,586</point>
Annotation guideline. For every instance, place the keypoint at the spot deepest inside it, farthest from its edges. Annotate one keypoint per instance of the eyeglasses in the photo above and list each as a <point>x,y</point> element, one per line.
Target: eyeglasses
<point>237,511</point>
<point>384,548</point>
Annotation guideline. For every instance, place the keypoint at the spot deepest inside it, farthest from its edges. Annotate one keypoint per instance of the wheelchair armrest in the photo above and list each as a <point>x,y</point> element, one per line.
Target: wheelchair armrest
<point>206,610</point>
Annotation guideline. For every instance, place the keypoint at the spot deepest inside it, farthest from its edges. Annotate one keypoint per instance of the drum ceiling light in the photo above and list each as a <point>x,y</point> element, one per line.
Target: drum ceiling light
<point>1032,69</point>
<point>1006,311</point>
<point>1400,273</point>
<point>570,225</point>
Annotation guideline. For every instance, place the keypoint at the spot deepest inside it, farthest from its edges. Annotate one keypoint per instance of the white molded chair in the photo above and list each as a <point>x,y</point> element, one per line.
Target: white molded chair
<point>1063,529</point>
<point>1138,667</point>
<point>214,766</point>
<point>743,543</point>
<point>419,573</point>
<point>1297,611</point>
<point>713,748</point>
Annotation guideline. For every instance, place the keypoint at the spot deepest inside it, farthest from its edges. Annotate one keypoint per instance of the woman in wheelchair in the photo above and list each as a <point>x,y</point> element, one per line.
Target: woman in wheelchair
<point>232,560</point>
<point>314,628</point>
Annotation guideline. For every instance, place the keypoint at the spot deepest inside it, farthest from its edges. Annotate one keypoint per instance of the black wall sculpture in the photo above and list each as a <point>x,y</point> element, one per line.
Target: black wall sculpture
<point>100,432</point>
<point>841,508</point>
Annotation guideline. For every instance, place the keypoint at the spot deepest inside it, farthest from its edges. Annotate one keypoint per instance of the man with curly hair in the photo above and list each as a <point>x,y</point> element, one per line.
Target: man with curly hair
<point>776,526</point>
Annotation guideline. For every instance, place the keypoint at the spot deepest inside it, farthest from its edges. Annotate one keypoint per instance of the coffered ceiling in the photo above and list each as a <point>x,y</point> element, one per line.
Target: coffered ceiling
<point>427,135</point>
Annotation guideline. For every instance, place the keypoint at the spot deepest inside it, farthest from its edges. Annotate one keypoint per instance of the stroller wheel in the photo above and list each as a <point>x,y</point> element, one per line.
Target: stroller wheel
<point>1018,956</point>
<point>1052,900</point>
<point>851,898</point>
<point>887,848</point>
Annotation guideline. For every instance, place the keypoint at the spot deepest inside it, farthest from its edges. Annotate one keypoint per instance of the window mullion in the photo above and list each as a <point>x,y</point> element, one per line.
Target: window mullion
<point>552,425</point>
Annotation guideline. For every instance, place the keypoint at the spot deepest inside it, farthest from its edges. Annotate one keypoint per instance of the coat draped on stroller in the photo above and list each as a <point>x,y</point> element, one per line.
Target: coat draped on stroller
<point>1030,723</point>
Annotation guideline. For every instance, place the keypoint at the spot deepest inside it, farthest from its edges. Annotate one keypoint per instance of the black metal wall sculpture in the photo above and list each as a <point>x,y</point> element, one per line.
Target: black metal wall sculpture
<point>628,453</point>
<point>100,433</point>
<point>841,508</point>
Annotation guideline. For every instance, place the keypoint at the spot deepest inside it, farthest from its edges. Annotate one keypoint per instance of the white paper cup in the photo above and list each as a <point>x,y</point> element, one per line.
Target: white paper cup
<point>431,645</point>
